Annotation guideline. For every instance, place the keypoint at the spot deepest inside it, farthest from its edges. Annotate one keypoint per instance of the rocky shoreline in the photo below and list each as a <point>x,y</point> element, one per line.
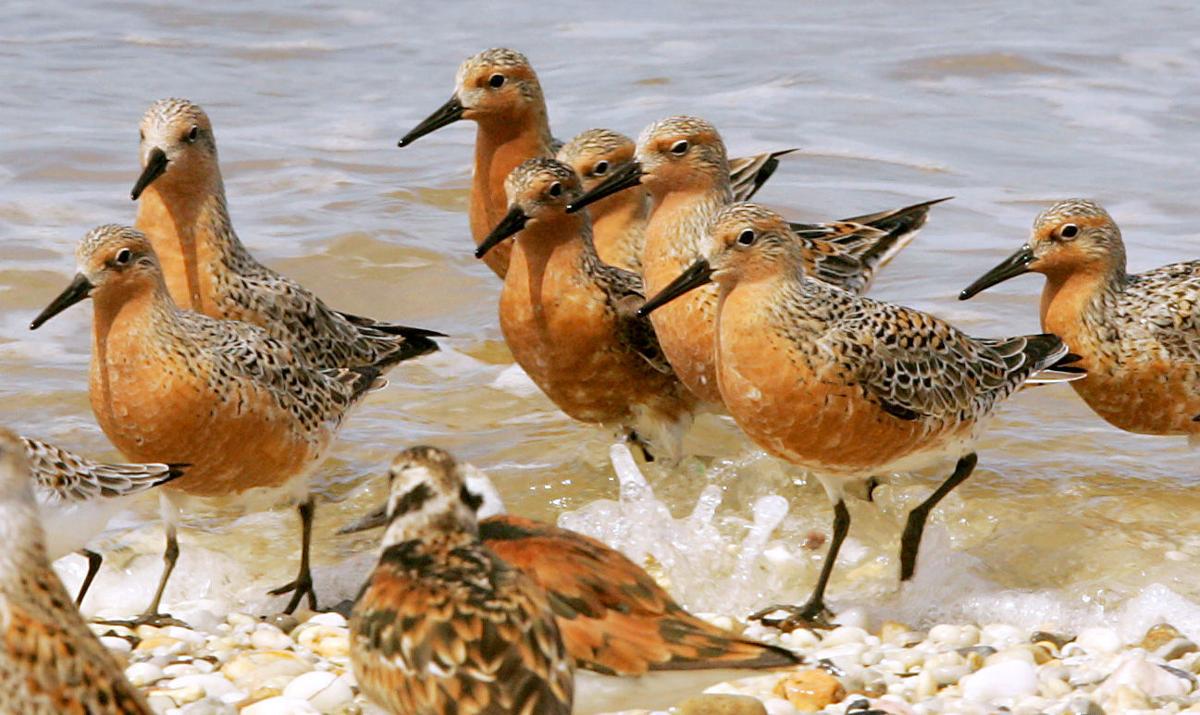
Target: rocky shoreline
<point>287,665</point>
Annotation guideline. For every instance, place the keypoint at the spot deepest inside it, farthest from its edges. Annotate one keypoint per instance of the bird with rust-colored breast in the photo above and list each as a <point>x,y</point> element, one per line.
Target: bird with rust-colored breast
<point>250,418</point>
<point>50,663</point>
<point>845,386</point>
<point>569,318</point>
<point>182,209</point>
<point>633,645</point>
<point>682,163</point>
<point>1137,334</point>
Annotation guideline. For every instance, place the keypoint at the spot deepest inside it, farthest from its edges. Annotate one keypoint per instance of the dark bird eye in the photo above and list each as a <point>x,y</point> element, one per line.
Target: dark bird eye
<point>1068,231</point>
<point>123,257</point>
<point>746,237</point>
<point>192,134</point>
<point>496,81</point>
<point>141,135</point>
<point>556,189</point>
<point>600,169</point>
<point>680,147</point>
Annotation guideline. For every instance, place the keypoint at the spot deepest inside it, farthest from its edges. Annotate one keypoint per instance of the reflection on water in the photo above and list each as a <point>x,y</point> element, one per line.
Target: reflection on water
<point>891,104</point>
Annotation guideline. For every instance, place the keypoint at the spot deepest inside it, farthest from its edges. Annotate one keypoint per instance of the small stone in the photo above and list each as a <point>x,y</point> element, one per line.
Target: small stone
<point>810,690</point>
<point>1144,677</point>
<point>286,622</point>
<point>268,637</point>
<point>1099,640</point>
<point>337,620</point>
<point>116,645</point>
<point>280,705</point>
<point>249,671</point>
<point>182,696</point>
<point>1167,643</point>
<point>1001,635</point>
<point>1008,679</point>
<point>1083,705</point>
<point>896,633</point>
<point>159,702</point>
<point>721,705</point>
<point>143,674</point>
<point>214,686</point>
<point>325,641</point>
<point>324,690</point>
<point>1057,639</point>
<point>954,636</point>
<point>1127,699</point>
<point>844,634</point>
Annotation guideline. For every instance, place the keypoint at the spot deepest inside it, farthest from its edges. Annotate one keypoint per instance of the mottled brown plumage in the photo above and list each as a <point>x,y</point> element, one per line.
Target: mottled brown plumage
<point>614,617</point>
<point>681,162</point>
<point>241,408</point>
<point>50,663</point>
<point>1138,335</point>
<point>182,209</point>
<point>846,386</point>
<point>569,319</point>
<point>442,624</point>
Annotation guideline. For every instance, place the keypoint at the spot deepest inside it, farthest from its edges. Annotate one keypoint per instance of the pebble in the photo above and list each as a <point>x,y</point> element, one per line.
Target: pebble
<point>1099,640</point>
<point>810,690</point>
<point>1005,680</point>
<point>722,705</point>
<point>280,705</point>
<point>1144,677</point>
<point>322,689</point>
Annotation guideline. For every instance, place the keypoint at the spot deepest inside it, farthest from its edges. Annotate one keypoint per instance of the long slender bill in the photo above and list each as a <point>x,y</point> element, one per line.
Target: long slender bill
<point>448,113</point>
<point>623,177</point>
<point>79,289</point>
<point>695,276</point>
<point>510,225</point>
<point>1013,266</point>
<point>156,164</point>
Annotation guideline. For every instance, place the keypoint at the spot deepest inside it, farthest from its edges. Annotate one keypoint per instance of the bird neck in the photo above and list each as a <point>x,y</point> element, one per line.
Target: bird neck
<point>194,239</point>
<point>1074,299</point>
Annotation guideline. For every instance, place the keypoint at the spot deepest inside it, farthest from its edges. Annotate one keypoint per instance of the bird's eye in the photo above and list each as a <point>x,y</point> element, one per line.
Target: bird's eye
<point>123,257</point>
<point>496,81</point>
<point>746,237</point>
<point>680,147</point>
<point>600,169</point>
<point>555,189</point>
<point>193,133</point>
<point>141,135</point>
<point>1068,231</point>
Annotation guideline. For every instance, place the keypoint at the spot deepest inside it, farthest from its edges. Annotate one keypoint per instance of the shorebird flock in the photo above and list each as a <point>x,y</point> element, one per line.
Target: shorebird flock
<point>640,287</point>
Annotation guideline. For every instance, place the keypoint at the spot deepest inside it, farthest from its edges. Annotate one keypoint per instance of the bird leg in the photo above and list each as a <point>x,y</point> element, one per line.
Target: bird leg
<point>151,616</point>
<point>634,438</point>
<point>813,612</point>
<point>94,560</point>
<point>910,542</point>
<point>302,586</point>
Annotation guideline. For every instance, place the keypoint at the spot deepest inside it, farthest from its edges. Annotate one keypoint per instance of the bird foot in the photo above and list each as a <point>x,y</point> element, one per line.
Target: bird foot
<point>810,615</point>
<point>157,620</point>
<point>300,588</point>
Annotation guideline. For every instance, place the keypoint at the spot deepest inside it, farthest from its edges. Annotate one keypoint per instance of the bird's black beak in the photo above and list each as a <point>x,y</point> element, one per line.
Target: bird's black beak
<point>156,164</point>
<point>448,113</point>
<point>511,224</point>
<point>1013,266</point>
<point>623,177</point>
<point>79,289</point>
<point>695,276</point>
<point>375,519</point>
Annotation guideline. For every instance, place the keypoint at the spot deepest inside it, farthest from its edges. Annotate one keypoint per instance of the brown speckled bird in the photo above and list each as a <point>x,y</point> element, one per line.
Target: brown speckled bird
<point>1138,335</point>
<point>681,161</point>
<point>442,624</point>
<point>50,663</point>
<point>569,318</point>
<point>182,209</point>
<point>168,385</point>
<point>845,386</point>
<point>619,220</point>
<point>77,497</point>
<point>640,648</point>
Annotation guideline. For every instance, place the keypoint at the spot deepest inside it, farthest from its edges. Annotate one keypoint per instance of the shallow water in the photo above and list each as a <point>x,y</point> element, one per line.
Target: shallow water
<point>1005,108</point>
